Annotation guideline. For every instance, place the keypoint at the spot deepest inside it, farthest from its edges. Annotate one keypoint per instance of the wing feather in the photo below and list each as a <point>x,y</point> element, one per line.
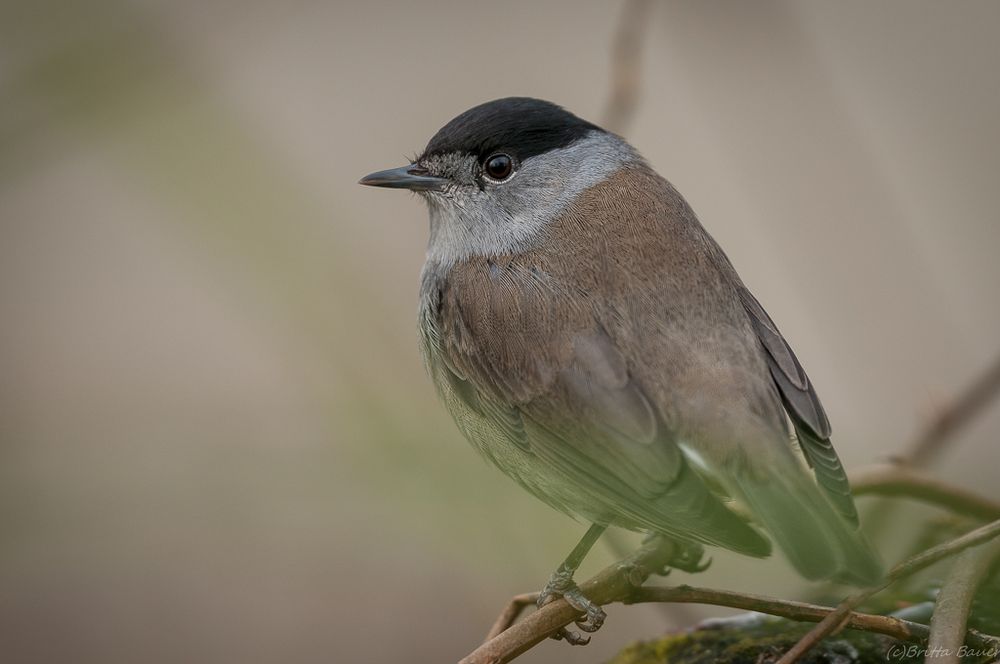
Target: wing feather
<point>802,403</point>
<point>581,415</point>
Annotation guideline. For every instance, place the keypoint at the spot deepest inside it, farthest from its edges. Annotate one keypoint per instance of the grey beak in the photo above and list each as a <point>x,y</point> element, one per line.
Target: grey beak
<point>410,177</point>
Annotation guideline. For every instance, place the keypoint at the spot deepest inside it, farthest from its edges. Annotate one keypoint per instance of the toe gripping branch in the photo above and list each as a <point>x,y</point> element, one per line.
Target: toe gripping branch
<point>689,557</point>
<point>561,584</point>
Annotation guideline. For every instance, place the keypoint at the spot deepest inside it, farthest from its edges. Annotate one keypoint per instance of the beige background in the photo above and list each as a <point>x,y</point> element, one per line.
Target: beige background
<point>218,443</point>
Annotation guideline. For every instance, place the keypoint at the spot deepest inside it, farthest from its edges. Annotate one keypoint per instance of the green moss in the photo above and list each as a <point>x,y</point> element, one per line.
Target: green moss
<point>763,641</point>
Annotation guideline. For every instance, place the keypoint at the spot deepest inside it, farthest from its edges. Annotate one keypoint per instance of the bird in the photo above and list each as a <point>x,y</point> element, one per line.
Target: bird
<point>593,341</point>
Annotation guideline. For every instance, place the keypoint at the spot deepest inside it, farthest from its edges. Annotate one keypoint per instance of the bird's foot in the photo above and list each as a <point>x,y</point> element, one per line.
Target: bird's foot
<point>561,584</point>
<point>691,558</point>
<point>687,556</point>
<point>636,573</point>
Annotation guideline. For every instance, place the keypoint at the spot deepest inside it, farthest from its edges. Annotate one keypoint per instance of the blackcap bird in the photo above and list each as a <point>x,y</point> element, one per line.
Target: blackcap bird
<point>593,341</point>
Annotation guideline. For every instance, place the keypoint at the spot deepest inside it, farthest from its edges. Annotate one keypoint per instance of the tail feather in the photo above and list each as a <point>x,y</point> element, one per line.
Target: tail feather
<point>820,543</point>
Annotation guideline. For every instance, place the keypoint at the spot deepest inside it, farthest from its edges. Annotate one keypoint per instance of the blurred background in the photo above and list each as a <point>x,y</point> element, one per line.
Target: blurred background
<point>218,441</point>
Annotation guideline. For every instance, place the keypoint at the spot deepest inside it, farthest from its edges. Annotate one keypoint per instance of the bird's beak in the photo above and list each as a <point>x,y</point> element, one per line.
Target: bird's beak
<point>410,177</point>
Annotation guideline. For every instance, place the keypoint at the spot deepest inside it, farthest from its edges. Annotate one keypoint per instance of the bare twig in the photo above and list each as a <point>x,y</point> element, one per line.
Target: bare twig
<point>954,601</point>
<point>950,421</point>
<point>836,619</point>
<point>626,52</point>
<point>936,436</point>
<point>517,605</point>
<point>899,481</point>
<point>929,443</point>
<point>897,628</point>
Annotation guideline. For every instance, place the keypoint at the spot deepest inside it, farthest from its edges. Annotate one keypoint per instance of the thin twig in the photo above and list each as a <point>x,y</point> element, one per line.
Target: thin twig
<point>954,601</point>
<point>517,605</point>
<point>953,419</point>
<point>626,53</point>
<point>937,435</point>
<point>899,481</point>
<point>835,620</point>
<point>897,628</point>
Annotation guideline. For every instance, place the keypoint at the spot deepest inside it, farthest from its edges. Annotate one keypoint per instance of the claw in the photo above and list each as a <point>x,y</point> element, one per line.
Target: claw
<point>562,585</point>
<point>560,582</point>
<point>663,570</point>
<point>701,567</point>
<point>572,638</point>
<point>593,622</point>
<point>689,559</point>
<point>637,574</point>
<point>595,614</point>
<point>545,597</point>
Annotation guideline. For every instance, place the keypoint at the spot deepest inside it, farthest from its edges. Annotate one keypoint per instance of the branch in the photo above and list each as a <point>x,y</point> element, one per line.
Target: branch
<point>516,606</point>
<point>900,481</point>
<point>626,50</point>
<point>897,628</point>
<point>954,601</point>
<point>614,583</point>
<point>836,619</point>
<point>622,581</point>
<point>672,614</point>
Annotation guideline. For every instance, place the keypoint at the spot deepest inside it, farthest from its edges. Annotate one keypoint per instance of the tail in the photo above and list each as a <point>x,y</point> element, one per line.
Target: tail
<point>818,541</point>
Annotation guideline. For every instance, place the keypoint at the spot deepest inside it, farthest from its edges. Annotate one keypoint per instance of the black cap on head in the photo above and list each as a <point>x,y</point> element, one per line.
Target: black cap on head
<point>522,126</point>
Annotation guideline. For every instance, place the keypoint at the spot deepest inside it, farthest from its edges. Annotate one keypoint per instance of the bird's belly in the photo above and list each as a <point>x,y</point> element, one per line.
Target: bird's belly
<point>516,460</point>
<point>513,457</point>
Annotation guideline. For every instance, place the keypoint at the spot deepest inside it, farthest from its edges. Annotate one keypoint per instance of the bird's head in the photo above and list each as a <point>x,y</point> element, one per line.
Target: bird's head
<point>497,174</point>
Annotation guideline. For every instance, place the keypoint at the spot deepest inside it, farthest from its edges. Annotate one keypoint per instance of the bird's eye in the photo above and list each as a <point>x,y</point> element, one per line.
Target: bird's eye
<point>499,167</point>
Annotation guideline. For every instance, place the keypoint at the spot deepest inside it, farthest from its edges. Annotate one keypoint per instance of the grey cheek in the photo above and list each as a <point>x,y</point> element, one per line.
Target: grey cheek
<point>507,218</point>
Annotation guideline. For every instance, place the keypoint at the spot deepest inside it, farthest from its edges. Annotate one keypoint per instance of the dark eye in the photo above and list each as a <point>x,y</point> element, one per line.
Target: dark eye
<point>499,166</point>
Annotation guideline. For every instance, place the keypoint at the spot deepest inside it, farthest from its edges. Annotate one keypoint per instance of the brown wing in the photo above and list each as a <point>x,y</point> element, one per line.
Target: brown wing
<point>541,373</point>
